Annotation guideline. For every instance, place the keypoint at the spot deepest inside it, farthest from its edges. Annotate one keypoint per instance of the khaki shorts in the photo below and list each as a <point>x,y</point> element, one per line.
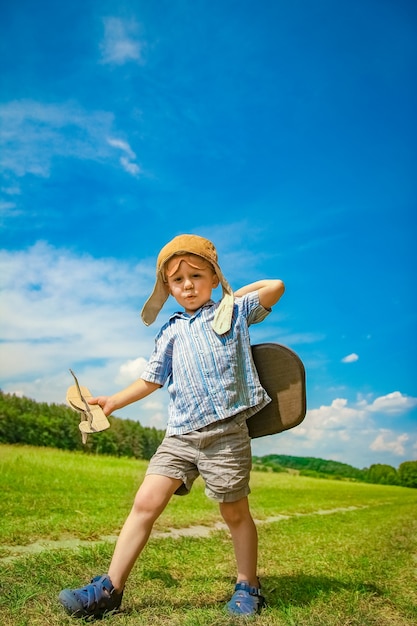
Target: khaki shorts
<point>220,453</point>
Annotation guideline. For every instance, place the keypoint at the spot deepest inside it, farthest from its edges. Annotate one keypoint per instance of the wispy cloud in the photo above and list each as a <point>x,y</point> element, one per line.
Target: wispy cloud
<point>127,160</point>
<point>7,209</point>
<point>34,134</point>
<point>121,43</point>
<point>293,339</point>
<point>11,191</point>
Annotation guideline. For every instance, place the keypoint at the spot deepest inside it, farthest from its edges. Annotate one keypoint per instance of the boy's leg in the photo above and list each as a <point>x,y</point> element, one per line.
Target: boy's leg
<point>247,598</point>
<point>104,593</point>
<point>150,501</point>
<point>245,539</point>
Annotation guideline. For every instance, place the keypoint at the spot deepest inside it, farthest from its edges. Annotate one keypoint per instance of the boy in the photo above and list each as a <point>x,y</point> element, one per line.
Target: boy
<point>204,354</point>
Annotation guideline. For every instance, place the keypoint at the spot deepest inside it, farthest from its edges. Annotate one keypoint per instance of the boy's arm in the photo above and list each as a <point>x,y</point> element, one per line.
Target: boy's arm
<point>269,291</point>
<point>136,391</point>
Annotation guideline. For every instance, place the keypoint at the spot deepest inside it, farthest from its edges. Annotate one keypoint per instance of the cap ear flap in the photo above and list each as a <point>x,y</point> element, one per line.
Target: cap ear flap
<point>222,321</point>
<point>155,302</point>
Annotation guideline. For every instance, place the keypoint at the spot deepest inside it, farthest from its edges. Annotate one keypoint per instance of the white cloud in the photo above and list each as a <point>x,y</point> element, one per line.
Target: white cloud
<point>155,410</point>
<point>393,403</point>
<point>155,405</point>
<point>130,371</point>
<point>395,444</point>
<point>34,134</point>
<point>121,43</point>
<point>346,431</point>
<point>350,358</point>
<point>156,420</point>
<point>329,424</point>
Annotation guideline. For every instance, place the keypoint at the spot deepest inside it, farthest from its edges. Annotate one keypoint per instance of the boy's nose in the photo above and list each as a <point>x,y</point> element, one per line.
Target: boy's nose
<point>188,283</point>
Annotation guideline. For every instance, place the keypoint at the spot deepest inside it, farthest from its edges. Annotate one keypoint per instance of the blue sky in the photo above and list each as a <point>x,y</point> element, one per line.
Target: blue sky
<point>283,131</point>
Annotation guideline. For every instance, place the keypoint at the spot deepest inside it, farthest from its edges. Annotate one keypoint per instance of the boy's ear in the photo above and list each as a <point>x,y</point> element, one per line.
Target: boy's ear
<point>215,281</point>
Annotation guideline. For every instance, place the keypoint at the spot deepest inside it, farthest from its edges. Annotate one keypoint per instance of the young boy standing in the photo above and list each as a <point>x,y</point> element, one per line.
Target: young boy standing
<point>204,355</point>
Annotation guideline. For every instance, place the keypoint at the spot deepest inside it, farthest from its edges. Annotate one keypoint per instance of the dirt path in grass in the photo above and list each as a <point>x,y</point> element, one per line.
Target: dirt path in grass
<point>174,533</point>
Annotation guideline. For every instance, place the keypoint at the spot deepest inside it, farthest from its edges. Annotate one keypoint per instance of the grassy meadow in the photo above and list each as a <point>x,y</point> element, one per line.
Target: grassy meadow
<point>344,554</point>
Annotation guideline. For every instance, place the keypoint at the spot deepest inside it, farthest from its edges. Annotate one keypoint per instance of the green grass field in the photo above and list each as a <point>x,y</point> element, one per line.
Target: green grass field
<point>346,554</point>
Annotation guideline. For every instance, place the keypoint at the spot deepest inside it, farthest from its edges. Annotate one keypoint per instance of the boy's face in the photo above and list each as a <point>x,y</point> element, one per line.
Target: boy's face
<point>190,280</point>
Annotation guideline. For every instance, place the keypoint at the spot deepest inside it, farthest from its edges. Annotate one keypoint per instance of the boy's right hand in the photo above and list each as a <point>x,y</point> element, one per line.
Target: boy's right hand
<point>105,402</point>
<point>94,419</point>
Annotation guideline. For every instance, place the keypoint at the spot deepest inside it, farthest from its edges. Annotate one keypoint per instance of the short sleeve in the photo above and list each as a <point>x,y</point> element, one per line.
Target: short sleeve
<point>252,309</point>
<point>159,367</point>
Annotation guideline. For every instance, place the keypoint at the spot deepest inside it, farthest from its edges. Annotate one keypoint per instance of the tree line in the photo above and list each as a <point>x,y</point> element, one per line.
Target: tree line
<point>379,473</point>
<point>26,421</point>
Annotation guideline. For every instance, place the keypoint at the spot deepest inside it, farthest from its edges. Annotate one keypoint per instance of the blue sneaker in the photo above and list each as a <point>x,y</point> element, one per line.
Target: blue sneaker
<point>94,599</point>
<point>246,600</point>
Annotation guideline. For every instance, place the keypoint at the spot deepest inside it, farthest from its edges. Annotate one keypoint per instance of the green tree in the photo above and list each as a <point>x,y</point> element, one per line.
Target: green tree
<point>383,474</point>
<point>408,474</point>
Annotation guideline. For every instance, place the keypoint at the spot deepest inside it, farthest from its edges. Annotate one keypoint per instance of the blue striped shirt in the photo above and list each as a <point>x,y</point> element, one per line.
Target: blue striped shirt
<point>210,377</point>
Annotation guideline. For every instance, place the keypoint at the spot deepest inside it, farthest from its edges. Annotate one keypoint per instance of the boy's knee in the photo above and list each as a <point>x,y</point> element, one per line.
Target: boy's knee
<point>235,512</point>
<point>144,506</point>
<point>154,494</point>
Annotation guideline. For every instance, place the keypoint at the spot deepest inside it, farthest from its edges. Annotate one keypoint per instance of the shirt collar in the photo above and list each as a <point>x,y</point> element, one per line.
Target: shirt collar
<point>184,315</point>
